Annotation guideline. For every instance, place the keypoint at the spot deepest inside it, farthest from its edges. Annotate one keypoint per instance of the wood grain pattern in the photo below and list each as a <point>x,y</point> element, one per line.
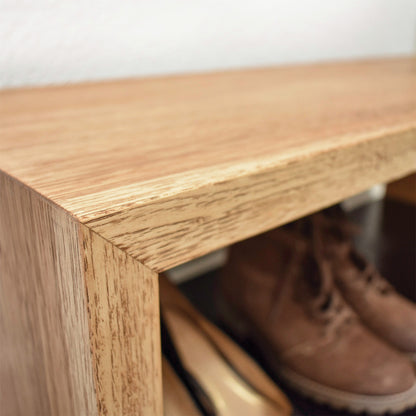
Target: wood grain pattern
<point>79,319</point>
<point>141,175</point>
<point>169,231</point>
<point>122,155</point>
<point>123,306</point>
<point>73,142</point>
<point>45,365</point>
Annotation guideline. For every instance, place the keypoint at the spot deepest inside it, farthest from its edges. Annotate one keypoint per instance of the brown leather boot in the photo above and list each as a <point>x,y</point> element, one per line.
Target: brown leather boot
<point>286,300</point>
<point>380,307</point>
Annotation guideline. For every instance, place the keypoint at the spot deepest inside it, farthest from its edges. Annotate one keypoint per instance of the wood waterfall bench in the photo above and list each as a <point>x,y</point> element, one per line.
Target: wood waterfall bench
<point>105,185</point>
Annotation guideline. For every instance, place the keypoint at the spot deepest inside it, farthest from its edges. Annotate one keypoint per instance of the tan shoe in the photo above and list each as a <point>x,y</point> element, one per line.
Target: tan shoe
<point>176,399</point>
<point>288,303</point>
<point>387,313</point>
<point>234,383</point>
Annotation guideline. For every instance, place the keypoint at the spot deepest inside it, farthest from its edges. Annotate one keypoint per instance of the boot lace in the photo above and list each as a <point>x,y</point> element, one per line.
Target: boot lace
<point>328,303</point>
<point>322,301</point>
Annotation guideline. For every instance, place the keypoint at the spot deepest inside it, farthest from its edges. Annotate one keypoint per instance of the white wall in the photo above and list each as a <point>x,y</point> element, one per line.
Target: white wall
<point>59,41</point>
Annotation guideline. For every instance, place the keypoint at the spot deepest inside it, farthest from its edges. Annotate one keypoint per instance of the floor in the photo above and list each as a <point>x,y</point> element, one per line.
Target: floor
<point>388,239</point>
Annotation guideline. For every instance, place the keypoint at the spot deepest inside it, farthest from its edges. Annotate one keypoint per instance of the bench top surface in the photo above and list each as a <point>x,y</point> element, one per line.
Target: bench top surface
<point>102,149</point>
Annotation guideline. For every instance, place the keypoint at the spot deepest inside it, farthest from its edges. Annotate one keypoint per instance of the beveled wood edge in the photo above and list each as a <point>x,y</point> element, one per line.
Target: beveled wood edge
<point>218,214</point>
<point>143,233</point>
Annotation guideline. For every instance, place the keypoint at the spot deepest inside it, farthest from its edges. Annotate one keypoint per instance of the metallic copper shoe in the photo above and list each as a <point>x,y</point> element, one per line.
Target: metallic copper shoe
<point>232,383</point>
<point>387,313</point>
<point>280,294</point>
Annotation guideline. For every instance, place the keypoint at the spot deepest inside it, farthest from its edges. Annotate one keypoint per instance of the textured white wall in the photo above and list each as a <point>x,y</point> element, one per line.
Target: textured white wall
<point>59,41</point>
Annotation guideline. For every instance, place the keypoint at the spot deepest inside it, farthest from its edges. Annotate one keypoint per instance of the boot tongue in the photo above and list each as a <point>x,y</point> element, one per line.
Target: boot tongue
<point>335,233</point>
<point>324,302</point>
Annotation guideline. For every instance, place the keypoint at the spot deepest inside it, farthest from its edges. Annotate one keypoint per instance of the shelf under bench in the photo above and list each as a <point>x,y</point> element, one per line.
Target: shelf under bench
<point>104,185</point>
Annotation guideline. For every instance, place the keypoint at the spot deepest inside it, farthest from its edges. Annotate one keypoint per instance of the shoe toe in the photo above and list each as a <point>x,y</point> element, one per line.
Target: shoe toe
<point>394,374</point>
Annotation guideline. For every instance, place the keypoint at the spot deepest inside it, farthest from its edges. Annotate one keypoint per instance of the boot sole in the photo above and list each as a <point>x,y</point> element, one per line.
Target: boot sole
<point>341,400</point>
<point>337,399</point>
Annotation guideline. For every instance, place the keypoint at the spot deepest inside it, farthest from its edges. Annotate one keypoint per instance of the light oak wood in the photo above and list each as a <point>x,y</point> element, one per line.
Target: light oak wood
<point>169,231</point>
<point>123,306</point>
<point>117,181</point>
<point>45,365</point>
<point>111,153</point>
<point>79,319</point>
